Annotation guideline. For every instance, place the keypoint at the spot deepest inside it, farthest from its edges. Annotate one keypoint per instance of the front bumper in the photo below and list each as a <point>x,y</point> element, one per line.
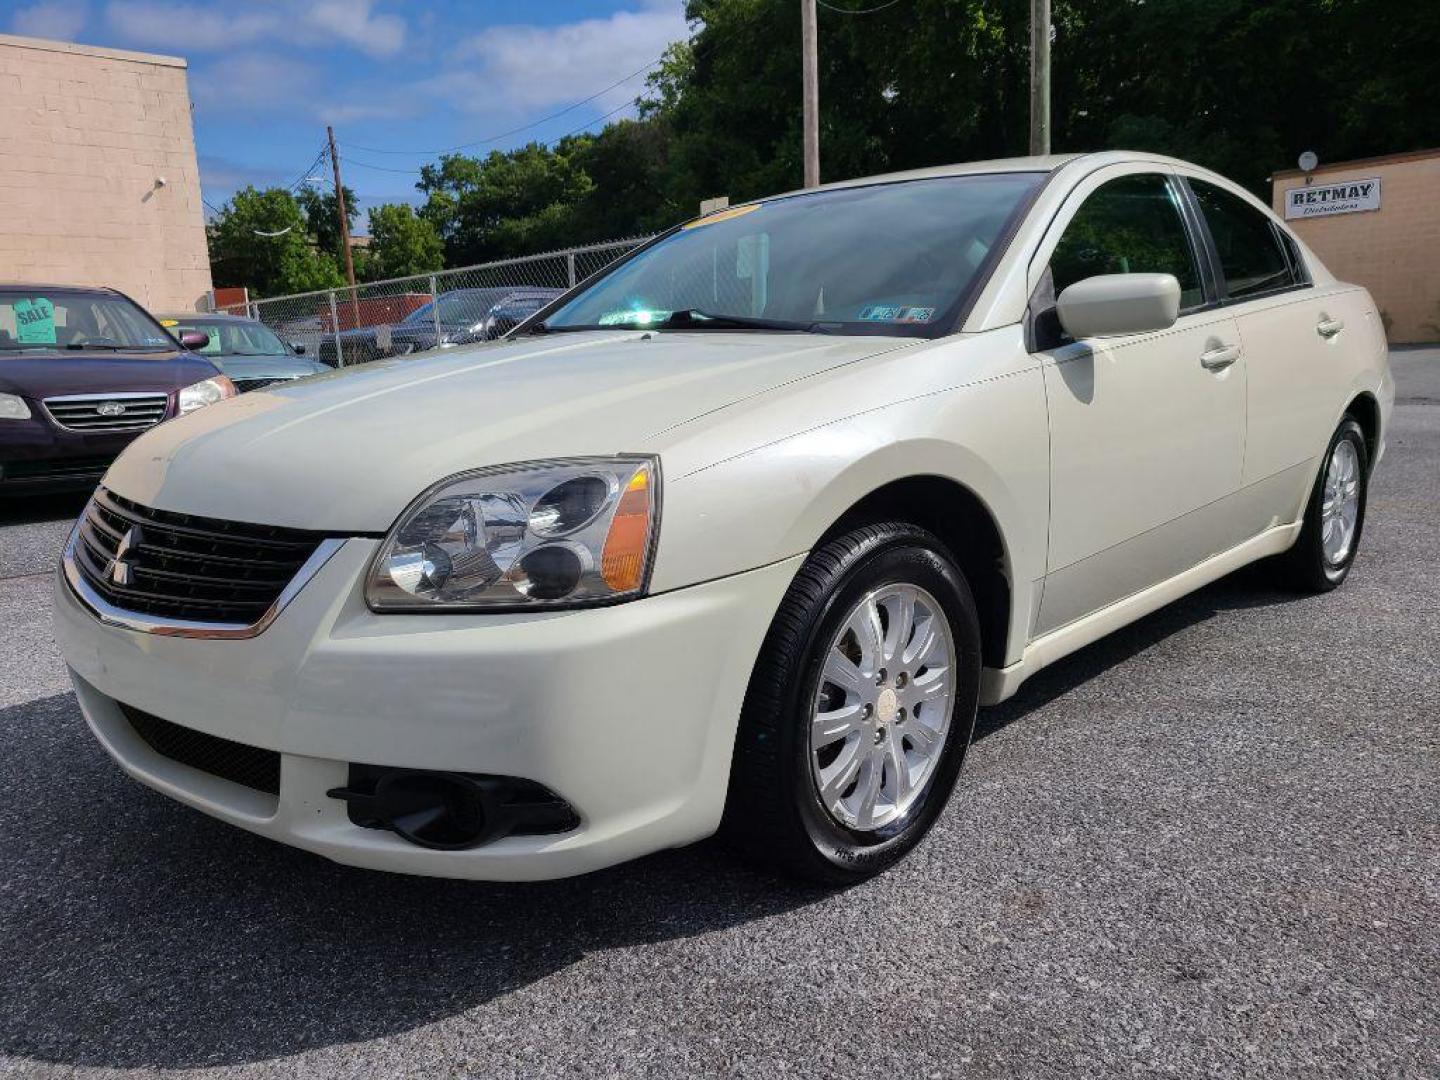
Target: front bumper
<point>36,455</point>
<point>626,712</point>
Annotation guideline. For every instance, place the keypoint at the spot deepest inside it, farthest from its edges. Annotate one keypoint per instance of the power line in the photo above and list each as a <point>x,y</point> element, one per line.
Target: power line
<point>308,173</point>
<point>416,172</point>
<point>513,131</point>
<point>860,11</point>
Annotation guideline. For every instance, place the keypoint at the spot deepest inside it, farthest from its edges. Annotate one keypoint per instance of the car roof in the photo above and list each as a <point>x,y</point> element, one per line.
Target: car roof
<point>1047,163</point>
<point>42,286</point>
<point>189,315</point>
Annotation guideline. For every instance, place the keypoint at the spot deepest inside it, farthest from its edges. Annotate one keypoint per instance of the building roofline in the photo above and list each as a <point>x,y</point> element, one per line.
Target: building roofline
<point>1360,163</point>
<point>45,45</point>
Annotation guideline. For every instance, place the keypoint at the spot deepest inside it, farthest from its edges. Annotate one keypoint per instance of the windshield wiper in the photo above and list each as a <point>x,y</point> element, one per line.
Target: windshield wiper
<point>77,346</point>
<point>686,319</point>
<point>695,319</point>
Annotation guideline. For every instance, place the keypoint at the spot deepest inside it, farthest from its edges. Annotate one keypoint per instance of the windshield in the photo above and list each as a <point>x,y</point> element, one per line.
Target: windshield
<point>50,319</point>
<point>419,315</point>
<point>231,338</point>
<point>895,258</point>
<point>464,307</point>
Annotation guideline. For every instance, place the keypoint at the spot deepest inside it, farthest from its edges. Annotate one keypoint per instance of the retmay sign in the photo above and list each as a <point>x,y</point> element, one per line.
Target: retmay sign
<point>1344,197</point>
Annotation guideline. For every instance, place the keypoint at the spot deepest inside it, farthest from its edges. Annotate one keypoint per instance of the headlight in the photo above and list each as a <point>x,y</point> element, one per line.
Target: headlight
<point>206,392</point>
<point>536,535</point>
<point>13,408</point>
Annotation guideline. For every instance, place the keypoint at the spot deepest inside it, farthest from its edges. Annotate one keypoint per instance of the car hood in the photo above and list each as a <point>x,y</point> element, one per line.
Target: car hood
<point>38,375</point>
<point>348,450</point>
<point>267,367</point>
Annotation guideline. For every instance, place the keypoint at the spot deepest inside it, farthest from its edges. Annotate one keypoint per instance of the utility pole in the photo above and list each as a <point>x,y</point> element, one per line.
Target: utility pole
<point>1039,77</point>
<point>810,84</point>
<point>340,206</point>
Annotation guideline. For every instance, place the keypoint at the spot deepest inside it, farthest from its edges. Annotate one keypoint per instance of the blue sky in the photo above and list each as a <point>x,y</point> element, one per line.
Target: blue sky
<point>267,75</point>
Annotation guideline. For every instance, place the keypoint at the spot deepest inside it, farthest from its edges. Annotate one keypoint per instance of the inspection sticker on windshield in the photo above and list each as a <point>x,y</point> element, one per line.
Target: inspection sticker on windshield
<point>35,321</point>
<point>896,313</point>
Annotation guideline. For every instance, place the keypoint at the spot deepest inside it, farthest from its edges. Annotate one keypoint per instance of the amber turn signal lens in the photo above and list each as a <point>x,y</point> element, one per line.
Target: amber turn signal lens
<point>622,560</point>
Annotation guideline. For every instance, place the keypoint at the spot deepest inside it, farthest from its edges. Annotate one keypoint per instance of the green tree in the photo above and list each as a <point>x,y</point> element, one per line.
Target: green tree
<point>509,203</point>
<point>1231,84</point>
<point>322,219</point>
<point>259,240</point>
<point>401,243</point>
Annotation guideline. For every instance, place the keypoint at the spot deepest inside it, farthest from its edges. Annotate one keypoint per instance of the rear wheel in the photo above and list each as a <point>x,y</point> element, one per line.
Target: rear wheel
<point>1334,517</point>
<point>860,707</point>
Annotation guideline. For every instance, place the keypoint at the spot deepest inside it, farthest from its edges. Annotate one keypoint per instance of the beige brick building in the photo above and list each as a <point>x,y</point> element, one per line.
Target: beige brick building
<point>1375,222</point>
<point>86,137</point>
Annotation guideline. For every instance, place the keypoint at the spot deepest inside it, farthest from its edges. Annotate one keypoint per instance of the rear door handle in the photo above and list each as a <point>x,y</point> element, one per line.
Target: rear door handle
<point>1328,328</point>
<point>1219,359</point>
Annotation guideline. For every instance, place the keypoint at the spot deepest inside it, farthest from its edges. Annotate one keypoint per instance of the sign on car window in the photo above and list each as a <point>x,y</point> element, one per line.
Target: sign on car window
<point>35,321</point>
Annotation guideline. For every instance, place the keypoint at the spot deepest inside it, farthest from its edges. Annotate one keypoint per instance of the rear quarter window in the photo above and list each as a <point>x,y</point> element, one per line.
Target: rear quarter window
<point>1252,260</point>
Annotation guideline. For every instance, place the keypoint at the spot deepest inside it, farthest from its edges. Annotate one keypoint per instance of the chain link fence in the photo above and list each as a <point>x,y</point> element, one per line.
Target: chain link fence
<point>408,315</point>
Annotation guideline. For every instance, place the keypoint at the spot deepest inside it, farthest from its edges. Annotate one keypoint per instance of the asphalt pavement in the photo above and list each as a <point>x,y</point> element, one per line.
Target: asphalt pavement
<point>1206,846</point>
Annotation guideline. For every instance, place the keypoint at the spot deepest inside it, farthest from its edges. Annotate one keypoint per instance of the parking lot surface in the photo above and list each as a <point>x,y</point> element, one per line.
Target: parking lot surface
<point>1208,845</point>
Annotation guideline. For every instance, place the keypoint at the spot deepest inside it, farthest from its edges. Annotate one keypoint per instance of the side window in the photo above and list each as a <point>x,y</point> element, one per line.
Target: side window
<point>1251,258</point>
<point>1297,264</point>
<point>1128,226</point>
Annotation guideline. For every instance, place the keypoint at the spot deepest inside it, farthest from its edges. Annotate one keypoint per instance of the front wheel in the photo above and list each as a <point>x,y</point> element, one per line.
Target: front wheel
<point>860,707</point>
<point>1334,517</point>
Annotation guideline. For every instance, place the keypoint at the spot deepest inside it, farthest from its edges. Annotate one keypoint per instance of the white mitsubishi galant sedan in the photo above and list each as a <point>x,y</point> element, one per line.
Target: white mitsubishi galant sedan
<point>734,536</point>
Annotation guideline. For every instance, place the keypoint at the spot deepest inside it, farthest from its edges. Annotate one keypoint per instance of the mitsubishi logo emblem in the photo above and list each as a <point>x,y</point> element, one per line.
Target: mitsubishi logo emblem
<point>111,408</point>
<point>119,571</point>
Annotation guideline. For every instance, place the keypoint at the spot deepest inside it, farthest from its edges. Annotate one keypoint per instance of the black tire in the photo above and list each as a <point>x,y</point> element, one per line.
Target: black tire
<point>1305,567</point>
<point>773,811</point>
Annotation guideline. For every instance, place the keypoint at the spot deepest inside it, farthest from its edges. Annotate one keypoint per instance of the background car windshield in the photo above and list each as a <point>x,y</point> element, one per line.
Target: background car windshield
<point>233,338</point>
<point>896,258</point>
<point>419,315</point>
<point>57,319</point>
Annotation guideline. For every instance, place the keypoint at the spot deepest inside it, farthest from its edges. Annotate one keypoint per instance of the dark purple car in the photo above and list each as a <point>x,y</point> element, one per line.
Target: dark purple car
<point>82,372</point>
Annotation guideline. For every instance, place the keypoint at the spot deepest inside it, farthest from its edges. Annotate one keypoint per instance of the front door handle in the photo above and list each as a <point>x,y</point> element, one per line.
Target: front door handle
<point>1328,328</point>
<point>1220,358</point>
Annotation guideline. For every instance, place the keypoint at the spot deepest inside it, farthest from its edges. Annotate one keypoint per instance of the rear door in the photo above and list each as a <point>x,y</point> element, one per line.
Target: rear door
<point>1291,332</point>
<point>1147,430</point>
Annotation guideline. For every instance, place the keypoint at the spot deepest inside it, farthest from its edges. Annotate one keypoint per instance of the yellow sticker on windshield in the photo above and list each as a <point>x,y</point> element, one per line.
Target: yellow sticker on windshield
<point>169,322</point>
<point>722,215</point>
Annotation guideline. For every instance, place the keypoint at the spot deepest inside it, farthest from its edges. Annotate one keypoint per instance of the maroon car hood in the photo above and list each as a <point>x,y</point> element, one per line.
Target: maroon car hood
<point>36,375</point>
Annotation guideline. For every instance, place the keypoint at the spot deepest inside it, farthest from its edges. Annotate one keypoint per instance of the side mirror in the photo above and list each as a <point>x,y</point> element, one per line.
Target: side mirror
<point>194,339</point>
<point>298,347</point>
<point>1109,305</point>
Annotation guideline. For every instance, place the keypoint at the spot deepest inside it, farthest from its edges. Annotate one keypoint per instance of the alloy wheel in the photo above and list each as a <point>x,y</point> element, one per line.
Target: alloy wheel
<point>882,711</point>
<point>1340,503</point>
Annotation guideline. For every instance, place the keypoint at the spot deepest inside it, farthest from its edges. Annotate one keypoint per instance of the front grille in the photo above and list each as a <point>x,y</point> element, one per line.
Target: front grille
<point>117,412</point>
<point>244,386</point>
<point>60,469</point>
<point>233,761</point>
<point>179,566</point>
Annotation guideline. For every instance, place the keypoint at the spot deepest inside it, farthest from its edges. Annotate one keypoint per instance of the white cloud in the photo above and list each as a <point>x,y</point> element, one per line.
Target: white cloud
<point>528,67</point>
<point>250,82</point>
<point>192,26</point>
<point>57,20</point>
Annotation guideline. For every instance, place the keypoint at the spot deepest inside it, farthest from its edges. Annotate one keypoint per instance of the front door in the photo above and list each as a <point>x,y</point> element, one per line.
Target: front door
<point>1147,431</point>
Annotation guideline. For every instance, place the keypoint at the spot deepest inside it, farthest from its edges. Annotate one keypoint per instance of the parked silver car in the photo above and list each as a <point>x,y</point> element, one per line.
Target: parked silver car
<point>246,350</point>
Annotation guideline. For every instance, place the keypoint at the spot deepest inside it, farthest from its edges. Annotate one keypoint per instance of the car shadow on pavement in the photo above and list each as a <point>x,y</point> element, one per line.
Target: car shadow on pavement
<point>1249,587</point>
<point>139,933</point>
<point>65,506</point>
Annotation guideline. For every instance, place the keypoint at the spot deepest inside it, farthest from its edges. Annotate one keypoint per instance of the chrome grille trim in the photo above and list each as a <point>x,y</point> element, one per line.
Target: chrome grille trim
<point>163,579</point>
<point>81,412</point>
